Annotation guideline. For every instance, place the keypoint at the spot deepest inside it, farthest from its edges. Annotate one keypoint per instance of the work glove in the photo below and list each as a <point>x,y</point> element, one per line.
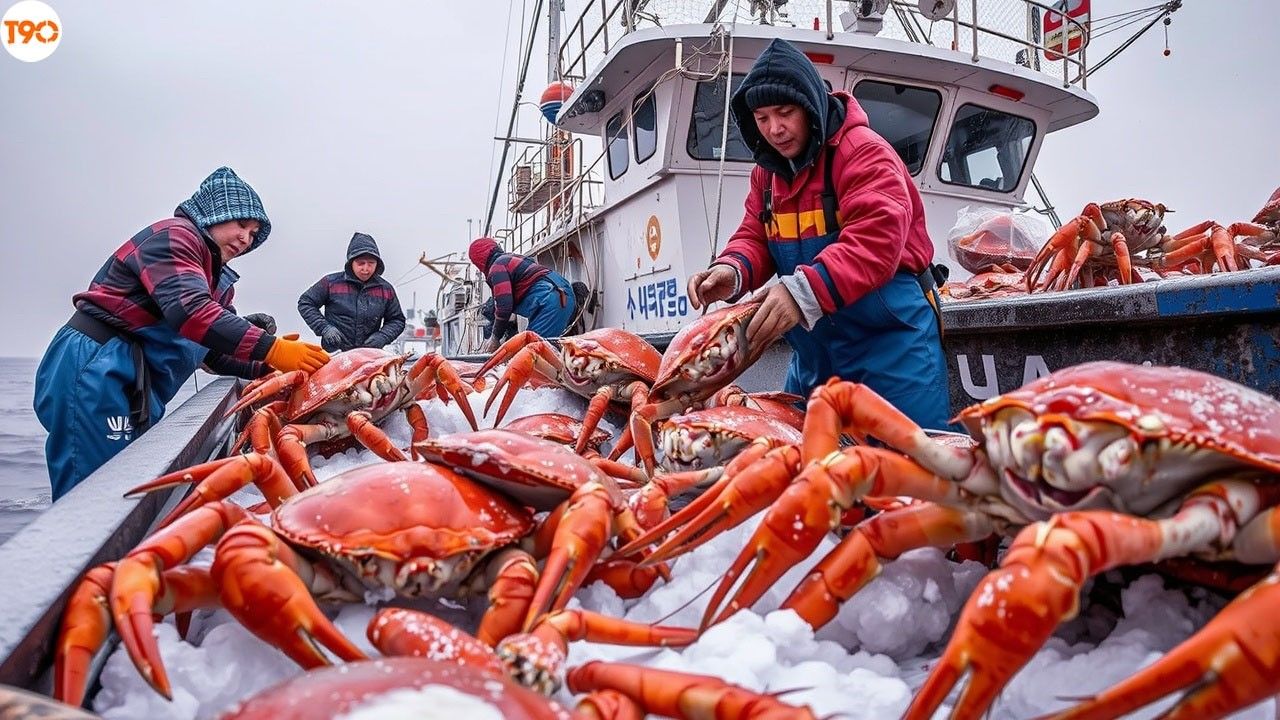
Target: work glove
<point>288,353</point>
<point>491,345</point>
<point>332,338</point>
<point>264,321</point>
<point>718,282</point>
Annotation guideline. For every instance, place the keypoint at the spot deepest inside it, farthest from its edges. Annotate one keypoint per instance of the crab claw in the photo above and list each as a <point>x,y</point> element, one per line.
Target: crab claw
<point>400,632</point>
<point>219,479</point>
<point>85,626</point>
<point>531,354</point>
<point>586,521</point>
<point>433,372</point>
<point>1230,664</point>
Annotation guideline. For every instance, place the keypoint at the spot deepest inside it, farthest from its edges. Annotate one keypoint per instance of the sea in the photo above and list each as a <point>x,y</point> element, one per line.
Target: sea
<point>24,480</point>
<point>24,483</point>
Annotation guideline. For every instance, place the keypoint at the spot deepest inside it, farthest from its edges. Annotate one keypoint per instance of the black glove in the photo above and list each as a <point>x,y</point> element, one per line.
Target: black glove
<point>264,321</point>
<point>332,339</point>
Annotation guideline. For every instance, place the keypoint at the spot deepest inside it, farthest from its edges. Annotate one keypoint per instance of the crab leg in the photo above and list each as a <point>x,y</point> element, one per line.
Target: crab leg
<point>219,479</point>
<point>1068,248</point>
<point>432,374</point>
<point>520,340</point>
<point>584,527</point>
<point>262,426</point>
<point>810,507</point>
<point>673,694</point>
<point>536,659</point>
<point>1230,664</point>
<point>1017,606</point>
<point>85,626</point>
<point>856,560</point>
<point>597,406</point>
<point>266,387</point>
<point>534,355</point>
<point>512,577</point>
<point>362,428</point>
<point>400,632</point>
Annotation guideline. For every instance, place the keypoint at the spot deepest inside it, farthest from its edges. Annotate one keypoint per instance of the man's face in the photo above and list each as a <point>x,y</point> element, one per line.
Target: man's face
<point>364,267</point>
<point>785,128</point>
<point>233,237</point>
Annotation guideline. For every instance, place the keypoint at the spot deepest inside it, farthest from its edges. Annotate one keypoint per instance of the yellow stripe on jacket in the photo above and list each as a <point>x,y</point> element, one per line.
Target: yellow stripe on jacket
<point>793,226</point>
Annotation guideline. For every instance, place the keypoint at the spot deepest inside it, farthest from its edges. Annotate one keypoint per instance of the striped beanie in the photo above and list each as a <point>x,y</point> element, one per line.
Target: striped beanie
<point>223,196</point>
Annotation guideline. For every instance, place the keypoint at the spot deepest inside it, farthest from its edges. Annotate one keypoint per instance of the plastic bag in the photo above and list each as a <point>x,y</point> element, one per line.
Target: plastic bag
<point>987,236</point>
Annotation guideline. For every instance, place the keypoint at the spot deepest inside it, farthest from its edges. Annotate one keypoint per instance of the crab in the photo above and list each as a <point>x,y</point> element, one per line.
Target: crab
<point>1209,245</point>
<point>19,704</point>
<point>1099,244</point>
<point>433,663</point>
<point>703,358</point>
<point>416,529</point>
<point>997,241</point>
<point>1089,468</point>
<point>606,366</point>
<point>993,282</point>
<point>346,397</point>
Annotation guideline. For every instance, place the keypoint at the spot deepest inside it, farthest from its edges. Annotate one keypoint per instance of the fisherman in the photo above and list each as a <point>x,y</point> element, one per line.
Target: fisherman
<point>360,307</point>
<point>833,212</point>
<point>523,287</point>
<point>158,309</point>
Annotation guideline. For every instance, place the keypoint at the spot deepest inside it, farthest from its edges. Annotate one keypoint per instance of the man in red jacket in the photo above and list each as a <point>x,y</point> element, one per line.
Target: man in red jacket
<point>833,212</point>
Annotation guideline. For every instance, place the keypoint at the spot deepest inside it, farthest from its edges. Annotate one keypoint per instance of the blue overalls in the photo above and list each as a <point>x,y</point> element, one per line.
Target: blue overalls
<point>549,304</point>
<point>98,388</point>
<point>889,340</point>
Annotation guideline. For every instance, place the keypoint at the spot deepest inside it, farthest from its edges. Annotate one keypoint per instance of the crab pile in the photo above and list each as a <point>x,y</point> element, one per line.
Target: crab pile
<point>1090,468</point>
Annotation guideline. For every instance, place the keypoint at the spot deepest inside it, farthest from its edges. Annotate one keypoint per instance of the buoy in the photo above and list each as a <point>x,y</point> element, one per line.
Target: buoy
<point>552,98</point>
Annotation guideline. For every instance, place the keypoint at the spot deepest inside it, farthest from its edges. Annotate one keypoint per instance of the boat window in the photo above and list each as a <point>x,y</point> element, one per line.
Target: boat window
<point>645,119</point>
<point>986,149</point>
<point>903,115</point>
<point>708,123</point>
<point>615,134</point>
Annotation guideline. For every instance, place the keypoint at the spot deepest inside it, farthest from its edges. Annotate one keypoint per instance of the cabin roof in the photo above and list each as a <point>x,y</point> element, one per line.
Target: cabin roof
<point>860,52</point>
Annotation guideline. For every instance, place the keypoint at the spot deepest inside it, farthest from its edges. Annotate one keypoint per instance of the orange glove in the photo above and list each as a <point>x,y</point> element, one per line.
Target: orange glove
<point>288,353</point>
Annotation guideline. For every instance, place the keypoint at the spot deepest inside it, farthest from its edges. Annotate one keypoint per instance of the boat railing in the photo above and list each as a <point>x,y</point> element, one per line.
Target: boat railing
<point>94,523</point>
<point>1005,30</point>
<point>550,189</point>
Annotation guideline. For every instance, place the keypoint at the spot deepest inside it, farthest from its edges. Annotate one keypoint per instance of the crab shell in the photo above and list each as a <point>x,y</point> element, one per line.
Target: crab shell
<point>1180,424</point>
<point>557,428</point>
<point>450,690</point>
<point>607,355</point>
<point>707,355</point>
<point>711,437</point>
<point>411,526</point>
<point>1140,221</point>
<point>537,473</point>
<point>340,375</point>
<point>1269,215</point>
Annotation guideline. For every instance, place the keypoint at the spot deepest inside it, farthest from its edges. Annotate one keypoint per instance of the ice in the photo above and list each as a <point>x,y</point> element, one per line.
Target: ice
<point>866,663</point>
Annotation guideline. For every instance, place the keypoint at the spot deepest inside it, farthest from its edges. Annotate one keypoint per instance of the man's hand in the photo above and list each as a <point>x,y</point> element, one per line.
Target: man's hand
<point>288,353</point>
<point>714,283</point>
<point>332,338</point>
<point>491,345</point>
<point>777,314</point>
<point>262,320</point>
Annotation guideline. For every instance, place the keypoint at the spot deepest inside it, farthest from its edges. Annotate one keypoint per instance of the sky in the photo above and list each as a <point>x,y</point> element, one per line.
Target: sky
<point>379,117</point>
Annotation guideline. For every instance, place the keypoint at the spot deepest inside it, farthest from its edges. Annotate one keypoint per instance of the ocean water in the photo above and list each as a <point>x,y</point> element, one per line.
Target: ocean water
<point>24,484</point>
<point>24,481</point>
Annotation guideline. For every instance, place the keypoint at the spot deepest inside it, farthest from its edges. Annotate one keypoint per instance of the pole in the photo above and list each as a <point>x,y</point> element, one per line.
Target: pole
<point>511,124</point>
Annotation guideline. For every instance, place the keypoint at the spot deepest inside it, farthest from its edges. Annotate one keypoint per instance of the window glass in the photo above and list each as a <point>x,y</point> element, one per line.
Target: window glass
<point>986,148</point>
<point>645,119</point>
<point>615,137</point>
<point>901,114</point>
<point>706,128</point>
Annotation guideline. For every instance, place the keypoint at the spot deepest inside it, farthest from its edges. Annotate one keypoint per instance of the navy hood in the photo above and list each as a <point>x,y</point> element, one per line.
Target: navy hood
<point>362,244</point>
<point>782,75</point>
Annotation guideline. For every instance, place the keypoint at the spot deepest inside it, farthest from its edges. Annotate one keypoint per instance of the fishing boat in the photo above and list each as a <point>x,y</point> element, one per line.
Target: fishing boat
<point>640,175</point>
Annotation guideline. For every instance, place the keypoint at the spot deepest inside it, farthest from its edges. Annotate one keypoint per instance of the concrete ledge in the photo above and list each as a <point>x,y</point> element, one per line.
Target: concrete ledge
<point>92,524</point>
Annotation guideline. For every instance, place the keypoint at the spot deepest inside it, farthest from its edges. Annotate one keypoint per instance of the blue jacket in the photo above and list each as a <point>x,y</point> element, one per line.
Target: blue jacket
<point>367,314</point>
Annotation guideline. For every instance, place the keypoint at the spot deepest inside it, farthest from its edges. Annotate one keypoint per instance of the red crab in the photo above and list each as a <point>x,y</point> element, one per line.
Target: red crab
<point>1091,467</point>
<point>345,397</point>
<point>606,366</point>
<point>419,529</point>
<point>1098,244</point>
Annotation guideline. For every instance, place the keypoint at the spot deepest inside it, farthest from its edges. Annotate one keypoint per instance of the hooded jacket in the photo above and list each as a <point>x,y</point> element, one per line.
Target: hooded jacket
<point>171,273</point>
<point>881,215</point>
<point>367,314</point>
<point>509,276</point>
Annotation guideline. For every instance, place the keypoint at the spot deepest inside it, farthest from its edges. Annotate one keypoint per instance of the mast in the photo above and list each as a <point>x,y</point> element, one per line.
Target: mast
<point>511,124</point>
<point>554,8</point>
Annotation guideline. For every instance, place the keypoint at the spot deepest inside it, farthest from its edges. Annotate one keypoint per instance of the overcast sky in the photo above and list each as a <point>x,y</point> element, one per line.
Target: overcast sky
<point>379,117</point>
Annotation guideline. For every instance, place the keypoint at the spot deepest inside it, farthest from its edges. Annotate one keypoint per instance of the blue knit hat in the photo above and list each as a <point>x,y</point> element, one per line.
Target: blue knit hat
<point>223,196</point>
